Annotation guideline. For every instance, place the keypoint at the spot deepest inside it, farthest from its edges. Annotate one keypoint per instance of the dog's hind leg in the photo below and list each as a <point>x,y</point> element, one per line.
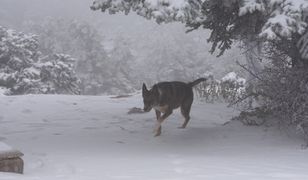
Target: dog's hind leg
<point>160,120</point>
<point>158,114</point>
<point>185,110</point>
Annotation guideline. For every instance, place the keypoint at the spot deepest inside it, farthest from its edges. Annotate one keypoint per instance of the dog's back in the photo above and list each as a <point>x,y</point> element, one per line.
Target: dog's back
<point>173,93</point>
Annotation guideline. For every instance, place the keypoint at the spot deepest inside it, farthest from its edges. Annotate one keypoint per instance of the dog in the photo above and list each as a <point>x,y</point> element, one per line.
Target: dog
<point>164,97</point>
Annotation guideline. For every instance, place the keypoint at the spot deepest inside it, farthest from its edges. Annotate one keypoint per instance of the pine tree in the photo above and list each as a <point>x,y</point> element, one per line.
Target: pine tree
<point>122,76</point>
<point>58,75</point>
<point>24,71</point>
<point>228,20</point>
<point>18,55</point>
<point>81,41</point>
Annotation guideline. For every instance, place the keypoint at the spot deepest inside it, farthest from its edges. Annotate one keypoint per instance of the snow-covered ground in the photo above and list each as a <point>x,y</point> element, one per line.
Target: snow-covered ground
<point>93,138</point>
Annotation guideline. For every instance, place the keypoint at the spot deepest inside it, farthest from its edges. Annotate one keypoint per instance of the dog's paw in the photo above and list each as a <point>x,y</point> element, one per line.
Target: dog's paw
<point>154,130</point>
<point>158,133</point>
<point>157,127</point>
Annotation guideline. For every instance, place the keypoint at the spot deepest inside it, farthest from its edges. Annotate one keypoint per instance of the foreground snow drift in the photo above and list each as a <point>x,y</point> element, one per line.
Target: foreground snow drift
<point>90,138</point>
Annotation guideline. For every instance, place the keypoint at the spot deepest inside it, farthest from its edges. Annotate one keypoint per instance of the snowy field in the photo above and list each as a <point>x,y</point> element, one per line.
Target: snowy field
<point>93,138</point>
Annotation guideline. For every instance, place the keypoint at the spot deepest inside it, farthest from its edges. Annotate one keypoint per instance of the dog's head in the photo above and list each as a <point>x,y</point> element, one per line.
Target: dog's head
<point>148,98</point>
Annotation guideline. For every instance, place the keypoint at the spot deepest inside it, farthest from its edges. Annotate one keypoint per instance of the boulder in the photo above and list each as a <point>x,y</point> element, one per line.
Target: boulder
<point>10,159</point>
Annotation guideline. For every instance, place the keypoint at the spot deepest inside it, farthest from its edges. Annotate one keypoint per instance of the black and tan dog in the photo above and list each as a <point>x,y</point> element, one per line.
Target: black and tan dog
<point>164,97</point>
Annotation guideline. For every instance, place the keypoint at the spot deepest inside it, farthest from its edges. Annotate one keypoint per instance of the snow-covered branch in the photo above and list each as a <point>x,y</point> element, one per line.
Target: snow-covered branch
<point>281,17</point>
<point>285,18</point>
<point>160,10</point>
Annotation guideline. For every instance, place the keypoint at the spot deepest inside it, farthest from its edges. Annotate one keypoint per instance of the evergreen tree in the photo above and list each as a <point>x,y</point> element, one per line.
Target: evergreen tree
<point>23,71</point>
<point>58,75</point>
<point>81,41</point>
<point>18,55</point>
<point>122,76</point>
<point>281,21</point>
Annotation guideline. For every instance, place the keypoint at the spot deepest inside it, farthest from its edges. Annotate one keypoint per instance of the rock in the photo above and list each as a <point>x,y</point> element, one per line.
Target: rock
<point>10,161</point>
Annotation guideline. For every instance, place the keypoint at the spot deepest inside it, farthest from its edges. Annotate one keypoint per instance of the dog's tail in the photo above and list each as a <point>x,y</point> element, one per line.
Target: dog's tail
<point>192,84</point>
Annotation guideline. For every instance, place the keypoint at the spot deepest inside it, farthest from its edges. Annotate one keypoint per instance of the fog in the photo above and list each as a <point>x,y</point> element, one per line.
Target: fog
<point>150,52</point>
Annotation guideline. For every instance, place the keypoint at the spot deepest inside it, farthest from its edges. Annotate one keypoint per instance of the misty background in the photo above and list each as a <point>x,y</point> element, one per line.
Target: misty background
<point>114,54</point>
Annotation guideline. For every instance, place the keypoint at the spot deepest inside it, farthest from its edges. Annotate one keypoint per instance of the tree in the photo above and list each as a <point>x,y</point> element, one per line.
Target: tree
<point>161,11</point>
<point>81,41</point>
<point>58,75</point>
<point>122,77</point>
<point>18,55</point>
<point>176,59</point>
<point>100,71</point>
<point>280,23</point>
<point>228,20</point>
<point>23,70</point>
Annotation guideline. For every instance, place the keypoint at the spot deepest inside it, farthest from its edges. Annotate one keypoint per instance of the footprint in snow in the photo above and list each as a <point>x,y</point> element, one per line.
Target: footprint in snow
<point>26,111</point>
<point>2,138</point>
<point>45,120</point>
<point>57,134</point>
<point>81,110</point>
<point>94,119</point>
<point>120,142</point>
<point>90,128</point>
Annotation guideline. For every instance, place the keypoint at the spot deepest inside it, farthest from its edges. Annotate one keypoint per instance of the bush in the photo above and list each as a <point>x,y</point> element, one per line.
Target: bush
<point>228,89</point>
<point>284,92</point>
<point>280,92</point>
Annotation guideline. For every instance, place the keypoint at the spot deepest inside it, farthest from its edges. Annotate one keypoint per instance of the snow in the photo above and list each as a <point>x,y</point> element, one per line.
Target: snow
<point>33,71</point>
<point>231,76</point>
<point>250,6</point>
<point>286,19</point>
<point>93,137</point>
<point>4,147</point>
<point>3,90</point>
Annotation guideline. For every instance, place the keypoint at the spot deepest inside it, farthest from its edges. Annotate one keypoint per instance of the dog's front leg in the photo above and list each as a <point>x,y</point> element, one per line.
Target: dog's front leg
<point>157,127</point>
<point>160,120</point>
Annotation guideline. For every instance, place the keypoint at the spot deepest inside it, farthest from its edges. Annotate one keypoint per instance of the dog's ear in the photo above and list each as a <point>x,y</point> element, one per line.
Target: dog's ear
<point>144,89</point>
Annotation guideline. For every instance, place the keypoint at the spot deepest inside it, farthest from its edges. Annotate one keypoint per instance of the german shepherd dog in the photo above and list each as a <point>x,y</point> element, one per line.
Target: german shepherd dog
<point>164,97</point>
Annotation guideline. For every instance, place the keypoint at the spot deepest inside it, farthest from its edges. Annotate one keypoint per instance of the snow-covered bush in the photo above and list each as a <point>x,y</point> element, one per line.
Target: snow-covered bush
<point>232,87</point>
<point>228,89</point>
<point>209,91</point>
<point>283,91</point>
<point>280,90</point>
